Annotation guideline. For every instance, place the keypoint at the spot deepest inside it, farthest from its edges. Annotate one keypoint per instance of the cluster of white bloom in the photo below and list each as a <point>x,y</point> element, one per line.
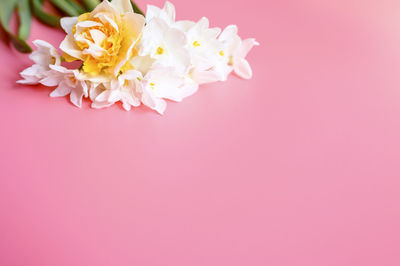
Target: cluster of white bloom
<point>134,59</point>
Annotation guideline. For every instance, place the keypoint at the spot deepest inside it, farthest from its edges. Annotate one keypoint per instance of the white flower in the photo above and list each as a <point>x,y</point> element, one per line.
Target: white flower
<point>124,60</point>
<point>142,63</point>
<point>204,50</point>
<point>235,51</point>
<point>44,56</point>
<point>167,13</point>
<point>204,71</point>
<point>69,81</point>
<point>165,44</point>
<point>123,89</point>
<point>165,83</point>
<point>202,40</point>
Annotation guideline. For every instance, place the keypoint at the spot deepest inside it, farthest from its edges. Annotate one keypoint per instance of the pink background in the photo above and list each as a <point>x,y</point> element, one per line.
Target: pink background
<point>298,166</point>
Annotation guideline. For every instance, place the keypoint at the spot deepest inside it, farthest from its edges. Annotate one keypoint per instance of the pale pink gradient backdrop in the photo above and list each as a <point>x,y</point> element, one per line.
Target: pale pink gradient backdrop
<point>298,166</point>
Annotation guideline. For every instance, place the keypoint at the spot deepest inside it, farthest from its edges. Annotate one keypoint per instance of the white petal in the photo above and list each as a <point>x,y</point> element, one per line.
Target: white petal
<point>94,50</point>
<point>62,90</point>
<point>245,47</point>
<point>206,76</point>
<point>167,14</point>
<point>142,63</point>
<point>137,23</point>
<point>126,106</point>
<point>98,36</point>
<point>76,97</point>
<point>45,54</point>
<point>114,96</point>
<point>104,7</point>
<point>61,69</point>
<point>152,12</point>
<point>123,6</point>
<point>154,103</point>
<point>189,88</point>
<point>103,97</point>
<point>228,33</point>
<point>243,69</point>
<point>68,46</point>
<point>85,89</point>
<point>161,105</point>
<point>106,19</point>
<point>212,33</point>
<point>52,78</point>
<point>32,75</point>
<point>131,99</point>
<point>41,43</point>
<point>184,25</point>
<point>87,24</point>
<point>203,23</point>
<point>95,90</point>
<point>99,105</point>
<point>67,23</point>
<point>169,9</point>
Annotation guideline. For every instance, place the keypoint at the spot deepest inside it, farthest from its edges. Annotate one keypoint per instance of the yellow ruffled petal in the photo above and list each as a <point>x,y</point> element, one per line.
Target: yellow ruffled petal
<point>69,58</point>
<point>122,30</point>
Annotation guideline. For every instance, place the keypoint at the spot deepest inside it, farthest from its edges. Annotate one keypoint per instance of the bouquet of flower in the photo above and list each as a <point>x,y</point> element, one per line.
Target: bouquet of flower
<point>123,56</point>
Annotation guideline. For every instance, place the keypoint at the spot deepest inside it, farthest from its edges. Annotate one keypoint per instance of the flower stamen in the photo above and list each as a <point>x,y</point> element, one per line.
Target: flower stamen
<point>160,50</point>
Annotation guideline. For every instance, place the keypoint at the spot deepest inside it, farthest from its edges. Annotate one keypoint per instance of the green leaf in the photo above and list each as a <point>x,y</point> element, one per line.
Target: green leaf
<point>7,8</point>
<point>137,9</point>
<point>25,17</point>
<point>91,4</point>
<point>43,16</point>
<point>78,7</point>
<point>66,7</point>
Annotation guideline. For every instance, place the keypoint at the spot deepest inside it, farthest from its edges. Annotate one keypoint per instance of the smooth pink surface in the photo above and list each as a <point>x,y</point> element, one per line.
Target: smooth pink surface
<point>298,166</point>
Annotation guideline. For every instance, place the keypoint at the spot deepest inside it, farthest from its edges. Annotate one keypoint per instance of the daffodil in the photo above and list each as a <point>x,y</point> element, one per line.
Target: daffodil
<point>165,44</point>
<point>68,82</point>
<point>123,59</point>
<point>45,56</point>
<point>204,49</point>
<point>164,83</point>
<point>235,50</point>
<point>104,39</point>
<point>123,89</point>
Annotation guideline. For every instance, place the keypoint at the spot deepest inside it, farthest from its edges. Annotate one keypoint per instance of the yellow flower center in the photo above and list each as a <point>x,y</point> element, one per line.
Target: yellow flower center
<point>196,44</point>
<point>106,44</point>
<point>221,53</point>
<point>160,50</point>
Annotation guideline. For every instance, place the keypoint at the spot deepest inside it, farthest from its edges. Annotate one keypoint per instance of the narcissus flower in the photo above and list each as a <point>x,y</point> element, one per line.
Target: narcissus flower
<point>235,50</point>
<point>45,56</point>
<point>124,57</point>
<point>68,82</point>
<point>165,44</point>
<point>105,39</point>
<point>123,89</point>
